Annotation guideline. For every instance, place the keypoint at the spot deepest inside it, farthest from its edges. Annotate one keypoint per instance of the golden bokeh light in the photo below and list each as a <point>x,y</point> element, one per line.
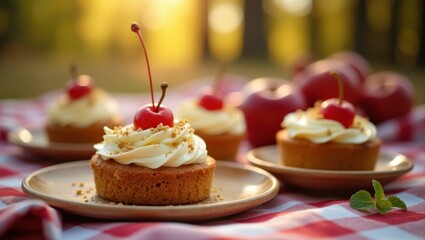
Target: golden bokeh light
<point>296,7</point>
<point>225,29</point>
<point>171,43</point>
<point>288,33</point>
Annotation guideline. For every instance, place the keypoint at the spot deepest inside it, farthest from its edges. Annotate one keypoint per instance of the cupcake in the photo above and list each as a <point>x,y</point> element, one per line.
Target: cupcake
<point>79,114</point>
<point>328,136</point>
<point>309,141</point>
<point>222,127</point>
<point>156,166</point>
<point>153,161</point>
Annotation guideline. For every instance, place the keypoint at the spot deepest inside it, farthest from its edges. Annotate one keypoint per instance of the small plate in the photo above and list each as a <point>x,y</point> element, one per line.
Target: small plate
<point>36,142</point>
<point>236,188</point>
<point>389,167</point>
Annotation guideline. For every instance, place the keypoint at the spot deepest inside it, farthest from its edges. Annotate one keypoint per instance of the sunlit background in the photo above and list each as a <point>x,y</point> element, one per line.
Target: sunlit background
<point>188,39</point>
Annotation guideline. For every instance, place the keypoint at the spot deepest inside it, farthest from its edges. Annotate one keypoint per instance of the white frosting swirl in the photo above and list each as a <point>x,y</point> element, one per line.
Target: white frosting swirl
<point>97,106</point>
<point>154,147</point>
<point>228,120</point>
<point>318,130</point>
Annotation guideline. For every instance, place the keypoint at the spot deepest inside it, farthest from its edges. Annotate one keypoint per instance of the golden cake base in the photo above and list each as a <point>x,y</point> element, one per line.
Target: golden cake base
<point>132,184</point>
<point>69,134</point>
<point>327,156</point>
<point>223,146</point>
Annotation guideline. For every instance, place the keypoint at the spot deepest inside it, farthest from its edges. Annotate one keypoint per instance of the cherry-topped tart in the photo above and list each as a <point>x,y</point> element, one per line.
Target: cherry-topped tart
<point>150,116</point>
<point>79,114</point>
<point>328,136</point>
<point>79,86</point>
<point>221,125</point>
<point>336,108</point>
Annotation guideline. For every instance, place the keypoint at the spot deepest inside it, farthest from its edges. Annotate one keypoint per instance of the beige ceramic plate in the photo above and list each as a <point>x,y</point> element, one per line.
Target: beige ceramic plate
<point>70,186</point>
<point>389,167</point>
<point>36,142</point>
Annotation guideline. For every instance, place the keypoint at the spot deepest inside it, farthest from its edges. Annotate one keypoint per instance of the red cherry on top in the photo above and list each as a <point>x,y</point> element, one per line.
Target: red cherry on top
<point>211,102</point>
<point>338,109</point>
<point>146,117</point>
<point>79,86</point>
<point>150,116</point>
<point>343,112</point>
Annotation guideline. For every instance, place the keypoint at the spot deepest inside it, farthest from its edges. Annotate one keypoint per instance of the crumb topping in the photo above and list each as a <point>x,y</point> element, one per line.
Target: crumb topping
<point>153,147</point>
<point>125,146</point>
<point>120,131</point>
<point>176,131</point>
<point>191,147</point>
<point>314,113</point>
<point>159,128</point>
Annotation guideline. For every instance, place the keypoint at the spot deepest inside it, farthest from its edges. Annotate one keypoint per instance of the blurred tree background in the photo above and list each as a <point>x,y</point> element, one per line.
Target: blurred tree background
<point>188,39</point>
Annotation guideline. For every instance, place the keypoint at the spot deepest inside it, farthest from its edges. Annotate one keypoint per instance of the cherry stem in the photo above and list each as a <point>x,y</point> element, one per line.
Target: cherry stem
<point>135,28</point>
<point>164,87</point>
<point>73,71</point>
<point>340,86</point>
<point>219,76</point>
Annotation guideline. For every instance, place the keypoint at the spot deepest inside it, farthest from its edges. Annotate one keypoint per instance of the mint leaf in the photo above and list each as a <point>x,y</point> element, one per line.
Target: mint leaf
<point>362,200</point>
<point>397,202</point>
<point>379,191</point>
<point>383,205</point>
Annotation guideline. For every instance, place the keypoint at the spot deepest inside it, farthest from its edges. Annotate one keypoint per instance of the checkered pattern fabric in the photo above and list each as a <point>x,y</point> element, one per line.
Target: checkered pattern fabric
<point>288,216</point>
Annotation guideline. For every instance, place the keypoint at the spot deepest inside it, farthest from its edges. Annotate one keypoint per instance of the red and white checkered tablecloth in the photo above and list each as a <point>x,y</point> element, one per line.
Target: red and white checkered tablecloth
<point>288,216</point>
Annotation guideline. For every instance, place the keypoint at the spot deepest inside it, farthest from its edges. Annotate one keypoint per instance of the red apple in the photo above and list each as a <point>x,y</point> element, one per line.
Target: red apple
<point>356,61</point>
<point>316,82</point>
<point>258,84</point>
<point>301,62</point>
<point>360,112</point>
<point>386,95</point>
<point>267,102</point>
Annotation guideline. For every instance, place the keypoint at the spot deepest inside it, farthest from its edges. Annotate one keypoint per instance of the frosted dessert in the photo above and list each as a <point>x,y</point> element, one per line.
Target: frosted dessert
<point>157,166</point>
<point>307,140</point>
<point>156,160</point>
<point>79,115</point>
<point>84,112</point>
<point>154,147</point>
<point>310,125</point>
<point>222,129</point>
